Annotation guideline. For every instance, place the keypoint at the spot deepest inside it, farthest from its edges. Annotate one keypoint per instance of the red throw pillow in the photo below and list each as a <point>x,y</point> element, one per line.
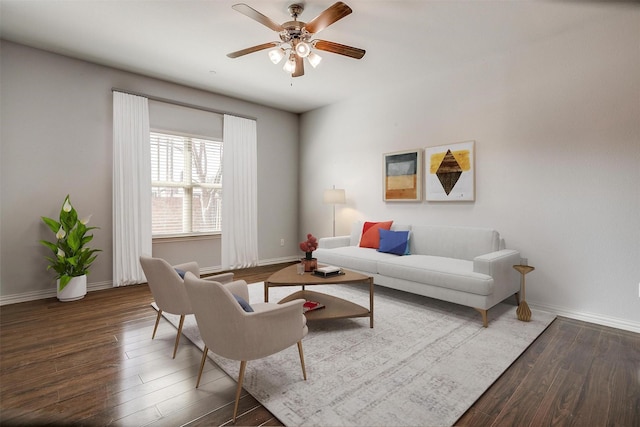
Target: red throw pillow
<point>371,236</point>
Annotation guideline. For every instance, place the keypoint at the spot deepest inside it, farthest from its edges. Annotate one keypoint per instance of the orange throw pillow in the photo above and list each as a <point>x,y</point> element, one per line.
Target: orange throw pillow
<point>371,236</point>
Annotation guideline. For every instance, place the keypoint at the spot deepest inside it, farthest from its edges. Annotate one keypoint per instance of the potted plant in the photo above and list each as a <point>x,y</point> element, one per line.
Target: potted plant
<point>308,246</point>
<point>71,258</point>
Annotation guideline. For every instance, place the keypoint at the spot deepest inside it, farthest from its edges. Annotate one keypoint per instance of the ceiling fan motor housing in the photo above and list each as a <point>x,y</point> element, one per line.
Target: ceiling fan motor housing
<point>293,30</point>
<point>295,10</point>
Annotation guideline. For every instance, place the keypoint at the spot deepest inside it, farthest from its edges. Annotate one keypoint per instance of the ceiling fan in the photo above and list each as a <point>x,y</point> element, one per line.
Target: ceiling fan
<point>296,37</point>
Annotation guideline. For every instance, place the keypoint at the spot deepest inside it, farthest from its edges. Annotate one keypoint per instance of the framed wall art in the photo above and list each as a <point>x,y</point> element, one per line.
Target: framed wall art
<point>402,176</point>
<point>450,172</point>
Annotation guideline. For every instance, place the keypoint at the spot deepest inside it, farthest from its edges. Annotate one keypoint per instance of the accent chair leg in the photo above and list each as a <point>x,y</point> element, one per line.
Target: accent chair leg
<point>304,371</point>
<point>175,348</point>
<point>243,365</point>
<point>155,328</point>
<point>485,321</point>
<point>204,359</point>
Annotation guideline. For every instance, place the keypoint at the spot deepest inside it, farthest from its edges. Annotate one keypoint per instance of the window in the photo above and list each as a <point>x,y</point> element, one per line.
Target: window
<point>186,182</point>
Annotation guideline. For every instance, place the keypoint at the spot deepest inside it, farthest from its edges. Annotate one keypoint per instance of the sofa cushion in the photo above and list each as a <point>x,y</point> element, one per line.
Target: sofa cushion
<point>394,242</point>
<point>370,236</point>
<point>437,271</point>
<point>243,303</point>
<point>356,231</point>
<point>352,257</point>
<point>453,242</point>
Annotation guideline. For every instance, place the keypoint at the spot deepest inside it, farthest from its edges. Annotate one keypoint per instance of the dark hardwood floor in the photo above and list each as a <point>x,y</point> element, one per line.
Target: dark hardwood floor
<point>92,362</point>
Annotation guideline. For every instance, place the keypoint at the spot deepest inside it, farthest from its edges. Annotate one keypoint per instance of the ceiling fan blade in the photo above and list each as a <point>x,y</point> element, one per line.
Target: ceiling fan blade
<point>257,16</point>
<point>252,49</point>
<point>332,14</point>
<point>299,67</point>
<point>338,48</point>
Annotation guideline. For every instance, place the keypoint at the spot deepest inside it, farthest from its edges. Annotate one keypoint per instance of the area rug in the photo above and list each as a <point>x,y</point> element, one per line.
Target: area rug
<point>424,363</point>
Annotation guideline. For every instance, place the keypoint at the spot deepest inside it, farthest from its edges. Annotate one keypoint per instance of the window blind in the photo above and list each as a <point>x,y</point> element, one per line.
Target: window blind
<point>186,175</point>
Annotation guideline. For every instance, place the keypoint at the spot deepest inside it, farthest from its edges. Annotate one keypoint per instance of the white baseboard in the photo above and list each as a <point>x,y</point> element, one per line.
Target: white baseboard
<point>218,269</point>
<point>96,286</point>
<point>278,260</point>
<point>597,319</point>
<point>47,293</point>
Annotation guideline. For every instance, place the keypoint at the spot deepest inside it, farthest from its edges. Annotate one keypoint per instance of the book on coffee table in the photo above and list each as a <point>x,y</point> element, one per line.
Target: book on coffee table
<point>311,305</point>
<point>328,271</point>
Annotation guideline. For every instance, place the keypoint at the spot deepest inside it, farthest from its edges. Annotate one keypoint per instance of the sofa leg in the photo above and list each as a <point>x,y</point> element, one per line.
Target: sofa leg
<point>485,322</point>
<point>517,295</point>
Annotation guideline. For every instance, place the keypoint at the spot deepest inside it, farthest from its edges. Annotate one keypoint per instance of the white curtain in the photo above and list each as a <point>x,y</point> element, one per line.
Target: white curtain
<point>131,187</point>
<point>240,193</point>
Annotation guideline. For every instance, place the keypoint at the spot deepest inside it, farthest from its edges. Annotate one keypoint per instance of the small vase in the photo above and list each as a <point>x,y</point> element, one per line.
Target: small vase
<point>309,264</point>
<point>76,289</point>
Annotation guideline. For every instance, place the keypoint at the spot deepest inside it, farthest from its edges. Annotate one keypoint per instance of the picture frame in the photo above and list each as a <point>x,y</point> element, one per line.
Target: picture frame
<point>450,172</point>
<point>402,176</point>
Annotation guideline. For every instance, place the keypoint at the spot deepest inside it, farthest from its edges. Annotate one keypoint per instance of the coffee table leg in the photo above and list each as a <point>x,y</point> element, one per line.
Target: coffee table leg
<point>266,291</point>
<point>371,302</point>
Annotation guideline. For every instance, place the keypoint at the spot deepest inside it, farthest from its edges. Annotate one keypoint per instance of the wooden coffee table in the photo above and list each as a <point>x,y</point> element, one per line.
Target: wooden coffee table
<point>335,308</point>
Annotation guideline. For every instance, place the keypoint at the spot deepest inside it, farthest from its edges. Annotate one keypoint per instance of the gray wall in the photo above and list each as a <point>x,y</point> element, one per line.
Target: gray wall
<point>56,136</point>
<point>557,131</point>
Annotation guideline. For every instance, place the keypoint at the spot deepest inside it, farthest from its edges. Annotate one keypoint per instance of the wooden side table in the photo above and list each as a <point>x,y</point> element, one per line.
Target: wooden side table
<point>523,311</point>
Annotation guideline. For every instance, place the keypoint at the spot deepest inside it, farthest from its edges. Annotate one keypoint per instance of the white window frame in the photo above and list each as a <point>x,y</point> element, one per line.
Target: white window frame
<point>187,185</point>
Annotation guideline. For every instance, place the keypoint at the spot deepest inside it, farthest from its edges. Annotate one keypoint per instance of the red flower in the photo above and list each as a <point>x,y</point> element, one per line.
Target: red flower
<point>309,245</point>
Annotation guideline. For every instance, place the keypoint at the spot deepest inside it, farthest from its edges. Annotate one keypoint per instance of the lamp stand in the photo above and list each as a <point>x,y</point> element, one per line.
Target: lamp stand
<point>334,220</point>
<point>334,197</point>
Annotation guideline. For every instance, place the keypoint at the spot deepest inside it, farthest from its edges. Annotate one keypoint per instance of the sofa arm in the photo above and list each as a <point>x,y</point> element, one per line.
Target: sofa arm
<point>499,265</point>
<point>334,242</point>
<point>487,263</point>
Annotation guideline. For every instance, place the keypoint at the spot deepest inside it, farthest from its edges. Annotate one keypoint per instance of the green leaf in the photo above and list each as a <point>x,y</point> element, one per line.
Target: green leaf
<point>52,224</point>
<point>74,239</point>
<point>50,245</point>
<point>87,239</point>
<point>64,281</point>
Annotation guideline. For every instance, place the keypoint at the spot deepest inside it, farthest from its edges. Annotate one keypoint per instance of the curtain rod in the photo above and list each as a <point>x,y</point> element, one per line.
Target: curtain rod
<point>181,104</point>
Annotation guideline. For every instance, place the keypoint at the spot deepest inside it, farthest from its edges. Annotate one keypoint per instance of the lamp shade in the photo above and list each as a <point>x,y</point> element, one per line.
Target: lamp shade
<point>276,55</point>
<point>314,59</point>
<point>303,49</point>
<point>334,196</point>
<point>290,65</point>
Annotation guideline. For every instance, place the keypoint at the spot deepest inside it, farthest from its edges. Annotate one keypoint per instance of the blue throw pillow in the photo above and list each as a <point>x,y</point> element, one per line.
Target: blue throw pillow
<point>243,303</point>
<point>181,273</point>
<point>394,242</point>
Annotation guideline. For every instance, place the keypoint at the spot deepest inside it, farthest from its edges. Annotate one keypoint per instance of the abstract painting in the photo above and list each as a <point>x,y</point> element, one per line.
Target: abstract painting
<point>450,172</point>
<point>402,176</point>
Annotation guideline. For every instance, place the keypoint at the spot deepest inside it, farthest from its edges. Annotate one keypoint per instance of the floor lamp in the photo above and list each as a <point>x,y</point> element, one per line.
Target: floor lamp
<point>334,197</point>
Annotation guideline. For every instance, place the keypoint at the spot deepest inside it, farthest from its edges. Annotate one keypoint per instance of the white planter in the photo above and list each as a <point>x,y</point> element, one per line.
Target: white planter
<point>76,289</point>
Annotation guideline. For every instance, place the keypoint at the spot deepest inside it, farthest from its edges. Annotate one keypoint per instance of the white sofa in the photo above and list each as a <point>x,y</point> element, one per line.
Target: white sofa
<point>462,265</point>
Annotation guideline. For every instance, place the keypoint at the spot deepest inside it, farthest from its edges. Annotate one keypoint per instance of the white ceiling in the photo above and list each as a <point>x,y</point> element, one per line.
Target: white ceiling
<point>186,41</point>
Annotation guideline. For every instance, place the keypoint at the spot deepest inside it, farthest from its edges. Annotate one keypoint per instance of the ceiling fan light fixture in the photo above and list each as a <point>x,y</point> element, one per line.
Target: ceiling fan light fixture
<point>290,65</point>
<point>303,49</point>
<point>276,55</point>
<point>314,59</point>
<point>296,37</point>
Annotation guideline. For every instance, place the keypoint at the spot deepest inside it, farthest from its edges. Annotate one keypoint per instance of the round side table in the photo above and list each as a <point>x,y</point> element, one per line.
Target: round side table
<point>523,311</point>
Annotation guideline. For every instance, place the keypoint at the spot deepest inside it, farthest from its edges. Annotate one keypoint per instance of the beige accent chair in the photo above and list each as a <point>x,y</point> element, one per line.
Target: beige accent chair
<point>233,333</point>
<point>168,289</point>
